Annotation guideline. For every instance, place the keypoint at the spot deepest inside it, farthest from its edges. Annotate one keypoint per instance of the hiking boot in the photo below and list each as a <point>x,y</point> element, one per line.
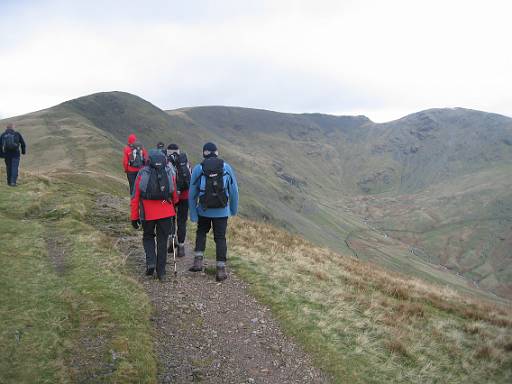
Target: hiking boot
<point>198,263</point>
<point>221,274</point>
<point>181,250</point>
<point>171,248</point>
<point>150,271</point>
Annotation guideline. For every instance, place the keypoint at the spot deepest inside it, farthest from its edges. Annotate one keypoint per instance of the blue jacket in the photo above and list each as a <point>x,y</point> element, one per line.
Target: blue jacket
<point>197,183</point>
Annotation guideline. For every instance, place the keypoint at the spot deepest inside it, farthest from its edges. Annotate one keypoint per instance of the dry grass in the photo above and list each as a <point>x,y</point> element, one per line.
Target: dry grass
<point>370,324</point>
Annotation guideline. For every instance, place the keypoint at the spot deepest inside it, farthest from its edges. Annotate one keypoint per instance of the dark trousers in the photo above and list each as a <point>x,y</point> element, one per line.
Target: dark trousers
<point>132,176</point>
<point>182,214</point>
<point>219,224</point>
<point>161,229</point>
<point>11,166</point>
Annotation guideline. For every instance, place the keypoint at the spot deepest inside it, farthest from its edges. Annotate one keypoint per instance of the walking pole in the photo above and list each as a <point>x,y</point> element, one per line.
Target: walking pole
<point>174,248</point>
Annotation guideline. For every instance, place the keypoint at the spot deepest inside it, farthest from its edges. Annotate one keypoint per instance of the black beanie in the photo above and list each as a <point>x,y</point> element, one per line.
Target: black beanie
<point>173,146</point>
<point>209,147</point>
<point>209,150</point>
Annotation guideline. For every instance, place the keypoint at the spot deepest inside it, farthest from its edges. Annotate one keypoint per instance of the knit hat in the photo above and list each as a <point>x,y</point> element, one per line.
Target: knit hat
<point>210,147</point>
<point>160,145</point>
<point>209,150</point>
<point>173,146</point>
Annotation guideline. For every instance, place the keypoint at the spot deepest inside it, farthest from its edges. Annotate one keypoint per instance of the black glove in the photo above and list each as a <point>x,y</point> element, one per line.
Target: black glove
<point>136,224</point>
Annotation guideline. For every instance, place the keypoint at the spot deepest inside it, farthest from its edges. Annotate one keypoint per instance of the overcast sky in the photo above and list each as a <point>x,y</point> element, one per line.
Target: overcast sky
<point>383,59</point>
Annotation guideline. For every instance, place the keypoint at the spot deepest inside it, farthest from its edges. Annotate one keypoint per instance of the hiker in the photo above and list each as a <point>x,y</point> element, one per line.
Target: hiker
<point>182,167</point>
<point>10,142</point>
<point>213,197</point>
<point>152,204</point>
<point>135,156</point>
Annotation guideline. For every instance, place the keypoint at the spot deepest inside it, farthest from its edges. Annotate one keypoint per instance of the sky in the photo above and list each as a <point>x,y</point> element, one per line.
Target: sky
<point>382,59</point>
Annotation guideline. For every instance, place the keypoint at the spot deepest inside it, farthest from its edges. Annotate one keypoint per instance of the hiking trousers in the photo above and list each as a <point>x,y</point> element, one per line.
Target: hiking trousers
<point>11,166</point>
<point>220,225</point>
<point>132,176</point>
<point>182,214</point>
<point>156,256</point>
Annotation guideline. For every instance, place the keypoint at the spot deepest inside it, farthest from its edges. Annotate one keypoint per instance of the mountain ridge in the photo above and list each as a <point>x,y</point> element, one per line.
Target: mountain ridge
<point>340,181</point>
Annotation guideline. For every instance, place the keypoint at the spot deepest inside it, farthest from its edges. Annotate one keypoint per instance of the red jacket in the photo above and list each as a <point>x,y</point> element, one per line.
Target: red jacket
<point>183,195</point>
<point>126,154</point>
<point>152,209</point>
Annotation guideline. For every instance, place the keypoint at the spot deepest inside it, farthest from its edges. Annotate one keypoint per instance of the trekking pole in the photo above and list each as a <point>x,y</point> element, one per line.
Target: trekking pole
<point>174,244</point>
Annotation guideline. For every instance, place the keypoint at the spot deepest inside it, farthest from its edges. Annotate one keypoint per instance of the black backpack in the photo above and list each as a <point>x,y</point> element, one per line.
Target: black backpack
<point>136,158</point>
<point>214,195</point>
<point>156,181</point>
<point>183,175</point>
<point>10,142</point>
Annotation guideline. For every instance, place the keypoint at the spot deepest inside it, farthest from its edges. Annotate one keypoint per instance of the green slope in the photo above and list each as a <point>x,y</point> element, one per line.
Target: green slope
<point>70,311</point>
<point>338,180</point>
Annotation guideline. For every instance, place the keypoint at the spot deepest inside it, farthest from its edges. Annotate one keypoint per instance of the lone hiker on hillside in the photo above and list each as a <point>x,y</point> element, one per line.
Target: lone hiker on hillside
<point>10,142</point>
<point>212,199</point>
<point>134,158</point>
<point>180,163</point>
<point>152,204</point>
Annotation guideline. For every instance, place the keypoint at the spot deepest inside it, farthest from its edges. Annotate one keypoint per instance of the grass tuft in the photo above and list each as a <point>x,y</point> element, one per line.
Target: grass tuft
<point>396,346</point>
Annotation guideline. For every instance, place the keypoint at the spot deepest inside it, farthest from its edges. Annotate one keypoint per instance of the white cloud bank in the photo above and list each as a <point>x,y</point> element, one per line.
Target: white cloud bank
<point>383,59</point>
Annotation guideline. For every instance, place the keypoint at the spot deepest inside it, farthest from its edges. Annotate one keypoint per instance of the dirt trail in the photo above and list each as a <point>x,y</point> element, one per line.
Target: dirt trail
<point>206,331</point>
<point>217,332</point>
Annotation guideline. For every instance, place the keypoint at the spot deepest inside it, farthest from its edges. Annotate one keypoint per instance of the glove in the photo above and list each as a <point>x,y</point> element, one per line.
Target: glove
<point>136,224</point>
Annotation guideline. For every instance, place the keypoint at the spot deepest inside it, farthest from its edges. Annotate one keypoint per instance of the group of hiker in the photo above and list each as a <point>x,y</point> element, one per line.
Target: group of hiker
<point>10,143</point>
<point>165,189</point>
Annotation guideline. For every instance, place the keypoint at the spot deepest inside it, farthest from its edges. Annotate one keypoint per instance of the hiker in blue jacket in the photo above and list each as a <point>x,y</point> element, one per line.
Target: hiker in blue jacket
<point>213,197</point>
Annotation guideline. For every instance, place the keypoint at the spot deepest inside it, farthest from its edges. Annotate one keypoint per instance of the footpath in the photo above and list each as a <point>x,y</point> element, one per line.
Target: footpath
<point>212,332</point>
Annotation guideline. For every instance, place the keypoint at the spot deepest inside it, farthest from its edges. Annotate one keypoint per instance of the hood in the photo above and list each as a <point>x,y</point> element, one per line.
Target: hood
<point>132,139</point>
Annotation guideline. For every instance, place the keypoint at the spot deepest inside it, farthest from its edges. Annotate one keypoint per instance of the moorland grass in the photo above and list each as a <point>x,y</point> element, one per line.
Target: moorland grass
<point>69,312</point>
<point>364,324</point>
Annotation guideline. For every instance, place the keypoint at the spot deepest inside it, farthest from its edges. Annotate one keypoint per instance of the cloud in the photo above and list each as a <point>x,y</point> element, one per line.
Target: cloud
<point>383,59</point>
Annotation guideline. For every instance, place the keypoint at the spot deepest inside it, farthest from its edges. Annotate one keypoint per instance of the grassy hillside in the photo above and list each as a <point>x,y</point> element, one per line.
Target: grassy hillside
<point>69,309</point>
<point>367,325</point>
<point>423,191</point>
<point>73,313</point>
<point>431,188</point>
<point>358,321</point>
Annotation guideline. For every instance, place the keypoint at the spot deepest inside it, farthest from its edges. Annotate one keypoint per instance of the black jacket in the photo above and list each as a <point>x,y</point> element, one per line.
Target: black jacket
<point>16,153</point>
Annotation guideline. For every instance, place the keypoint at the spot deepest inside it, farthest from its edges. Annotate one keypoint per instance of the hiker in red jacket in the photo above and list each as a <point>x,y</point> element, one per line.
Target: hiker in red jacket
<point>152,204</point>
<point>134,158</point>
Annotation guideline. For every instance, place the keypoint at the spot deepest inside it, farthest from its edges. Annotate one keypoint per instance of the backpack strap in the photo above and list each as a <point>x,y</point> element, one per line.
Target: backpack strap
<point>170,175</point>
<point>144,178</point>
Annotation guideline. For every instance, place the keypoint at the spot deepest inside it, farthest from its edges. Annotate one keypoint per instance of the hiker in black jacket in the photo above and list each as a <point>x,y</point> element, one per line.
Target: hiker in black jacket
<point>10,142</point>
